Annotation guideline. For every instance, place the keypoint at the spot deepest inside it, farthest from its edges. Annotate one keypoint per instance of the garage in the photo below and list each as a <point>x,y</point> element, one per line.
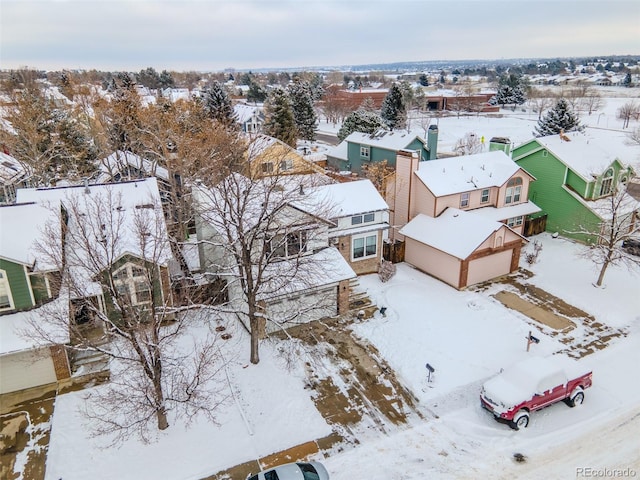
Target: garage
<point>26,369</point>
<point>491,266</point>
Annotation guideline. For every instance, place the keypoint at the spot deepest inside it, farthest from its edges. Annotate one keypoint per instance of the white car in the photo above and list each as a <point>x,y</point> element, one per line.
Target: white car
<point>294,471</point>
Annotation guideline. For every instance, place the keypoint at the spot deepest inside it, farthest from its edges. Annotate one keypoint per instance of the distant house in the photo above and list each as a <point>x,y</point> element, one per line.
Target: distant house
<point>250,117</point>
<point>26,282</point>
<point>269,156</point>
<point>359,150</point>
<point>461,217</point>
<point>305,279</point>
<point>361,223</point>
<point>12,176</point>
<point>575,175</point>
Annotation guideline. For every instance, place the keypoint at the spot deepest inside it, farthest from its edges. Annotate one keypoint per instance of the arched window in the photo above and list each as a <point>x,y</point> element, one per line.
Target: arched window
<point>514,190</point>
<point>607,183</point>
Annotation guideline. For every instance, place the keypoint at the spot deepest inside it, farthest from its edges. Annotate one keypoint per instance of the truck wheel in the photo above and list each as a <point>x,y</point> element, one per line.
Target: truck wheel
<point>520,420</point>
<point>576,399</point>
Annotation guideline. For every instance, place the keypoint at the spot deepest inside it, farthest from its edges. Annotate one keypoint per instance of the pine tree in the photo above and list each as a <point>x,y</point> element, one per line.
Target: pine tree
<point>256,93</point>
<point>279,121</point>
<point>360,121</point>
<point>511,90</point>
<point>303,111</point>
<point>559,118</point>
<point>393,110</point>
<point>217,104</point>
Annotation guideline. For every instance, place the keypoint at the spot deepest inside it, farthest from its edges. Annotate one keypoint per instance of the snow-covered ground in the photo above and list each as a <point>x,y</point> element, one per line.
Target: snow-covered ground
<point>467,336</point>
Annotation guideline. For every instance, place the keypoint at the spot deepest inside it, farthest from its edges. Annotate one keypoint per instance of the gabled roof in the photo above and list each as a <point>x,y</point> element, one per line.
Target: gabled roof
<point>588,156</point>
<point>119,159</point>
<point>22,229</point>
<point>11,171</point>
<point>394,140</point>
<point>244,113</point>
<point>448,176</point>
<point>455,232</point>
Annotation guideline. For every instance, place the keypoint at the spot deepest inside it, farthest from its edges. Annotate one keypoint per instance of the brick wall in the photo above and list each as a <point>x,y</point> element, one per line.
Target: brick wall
<point>60,362</point>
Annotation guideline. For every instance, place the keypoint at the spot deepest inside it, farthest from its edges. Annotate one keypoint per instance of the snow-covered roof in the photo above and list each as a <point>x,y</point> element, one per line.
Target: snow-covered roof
<point>497,214</point>
<point>22,229</point>
<point>340,151</point>
<point>394,140</point>
<point>129,199</point>
<point>17,329</point>
<point>324,267</point>
<point>455,232</point>
<point>588,156</point>
<point>245,113</point>
<point>119,159</point>
<point>447,176</point>
<point>10,169</point>
<point>351,198</point>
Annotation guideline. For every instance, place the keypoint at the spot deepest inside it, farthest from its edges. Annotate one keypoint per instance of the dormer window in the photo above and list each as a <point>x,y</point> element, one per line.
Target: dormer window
<point>607,183</point>
<point>514,191</point>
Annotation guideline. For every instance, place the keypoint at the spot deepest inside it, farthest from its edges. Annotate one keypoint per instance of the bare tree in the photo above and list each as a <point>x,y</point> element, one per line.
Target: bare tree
<point>628,111</point>
<point>266,237</point>
<point>468,145</point>
<point>112,254</point>
<point>620,222</point>
<point>633,137</point>
<point>592,101</point>
<point>541,100</point>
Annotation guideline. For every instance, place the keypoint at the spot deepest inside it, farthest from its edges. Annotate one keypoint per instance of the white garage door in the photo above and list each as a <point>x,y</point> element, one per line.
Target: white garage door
<point>486,268</point>
<point>25,370</point>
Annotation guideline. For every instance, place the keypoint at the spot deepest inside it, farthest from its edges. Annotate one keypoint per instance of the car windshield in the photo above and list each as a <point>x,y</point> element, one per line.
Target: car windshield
<point>308,472</point>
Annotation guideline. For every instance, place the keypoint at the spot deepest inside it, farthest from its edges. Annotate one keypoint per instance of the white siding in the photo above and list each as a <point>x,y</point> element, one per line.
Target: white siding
<point>22,370</point>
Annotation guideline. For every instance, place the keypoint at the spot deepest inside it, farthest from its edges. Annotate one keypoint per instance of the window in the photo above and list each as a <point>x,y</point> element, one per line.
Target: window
<point>464,200</point>
<point>514,190</point>
<point>366,218</point>
<point>484,198</point>
<point>365,247</point>
<point>607,182</point>
<point>514,221</point>
<point>288,245</point>
<point>286,164</point>
<point>267,167</point>
<point>364,151</point>
<point>6,302</point>
<point>131,282</point>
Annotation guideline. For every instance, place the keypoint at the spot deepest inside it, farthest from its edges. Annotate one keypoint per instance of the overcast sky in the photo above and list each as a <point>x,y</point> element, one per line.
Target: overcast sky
<point>211,35</point>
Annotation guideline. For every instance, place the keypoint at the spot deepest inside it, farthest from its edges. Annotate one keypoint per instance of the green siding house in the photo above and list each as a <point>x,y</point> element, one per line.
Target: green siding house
<point>361,149</point>
<point>574,173</point>
<point>24,273</point>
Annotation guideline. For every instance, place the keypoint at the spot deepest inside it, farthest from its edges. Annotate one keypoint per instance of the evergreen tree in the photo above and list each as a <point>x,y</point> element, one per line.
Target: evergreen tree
<point>627,80</point>
<point>279,121</point>
<point>423,80</point>
<point>217,104</point>
<point>149,78</point>
<point>511,90</point>
<point>361,120</point>
<point>393,110</point>
<point>166,80</point>
<point>256,93</point>
<point>303,112</point>
<point>559,118</point>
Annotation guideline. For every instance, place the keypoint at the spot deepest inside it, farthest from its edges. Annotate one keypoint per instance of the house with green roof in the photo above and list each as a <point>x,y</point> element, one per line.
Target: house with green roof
<point>575,174</point>
<point>359,150</point>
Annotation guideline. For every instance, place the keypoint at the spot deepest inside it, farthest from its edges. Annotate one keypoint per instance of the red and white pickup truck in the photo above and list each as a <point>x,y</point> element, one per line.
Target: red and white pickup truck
<point>532,384</point>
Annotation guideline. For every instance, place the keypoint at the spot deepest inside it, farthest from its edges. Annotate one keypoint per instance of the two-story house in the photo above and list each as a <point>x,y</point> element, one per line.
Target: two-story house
<point>360,223</point>
<point>27,280</point>
<point>268,156</point>
<point>359,150</point>
<point>268,238</point>
<point>461,217</point>
<point>250,117</point>
<point>575,174</point>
